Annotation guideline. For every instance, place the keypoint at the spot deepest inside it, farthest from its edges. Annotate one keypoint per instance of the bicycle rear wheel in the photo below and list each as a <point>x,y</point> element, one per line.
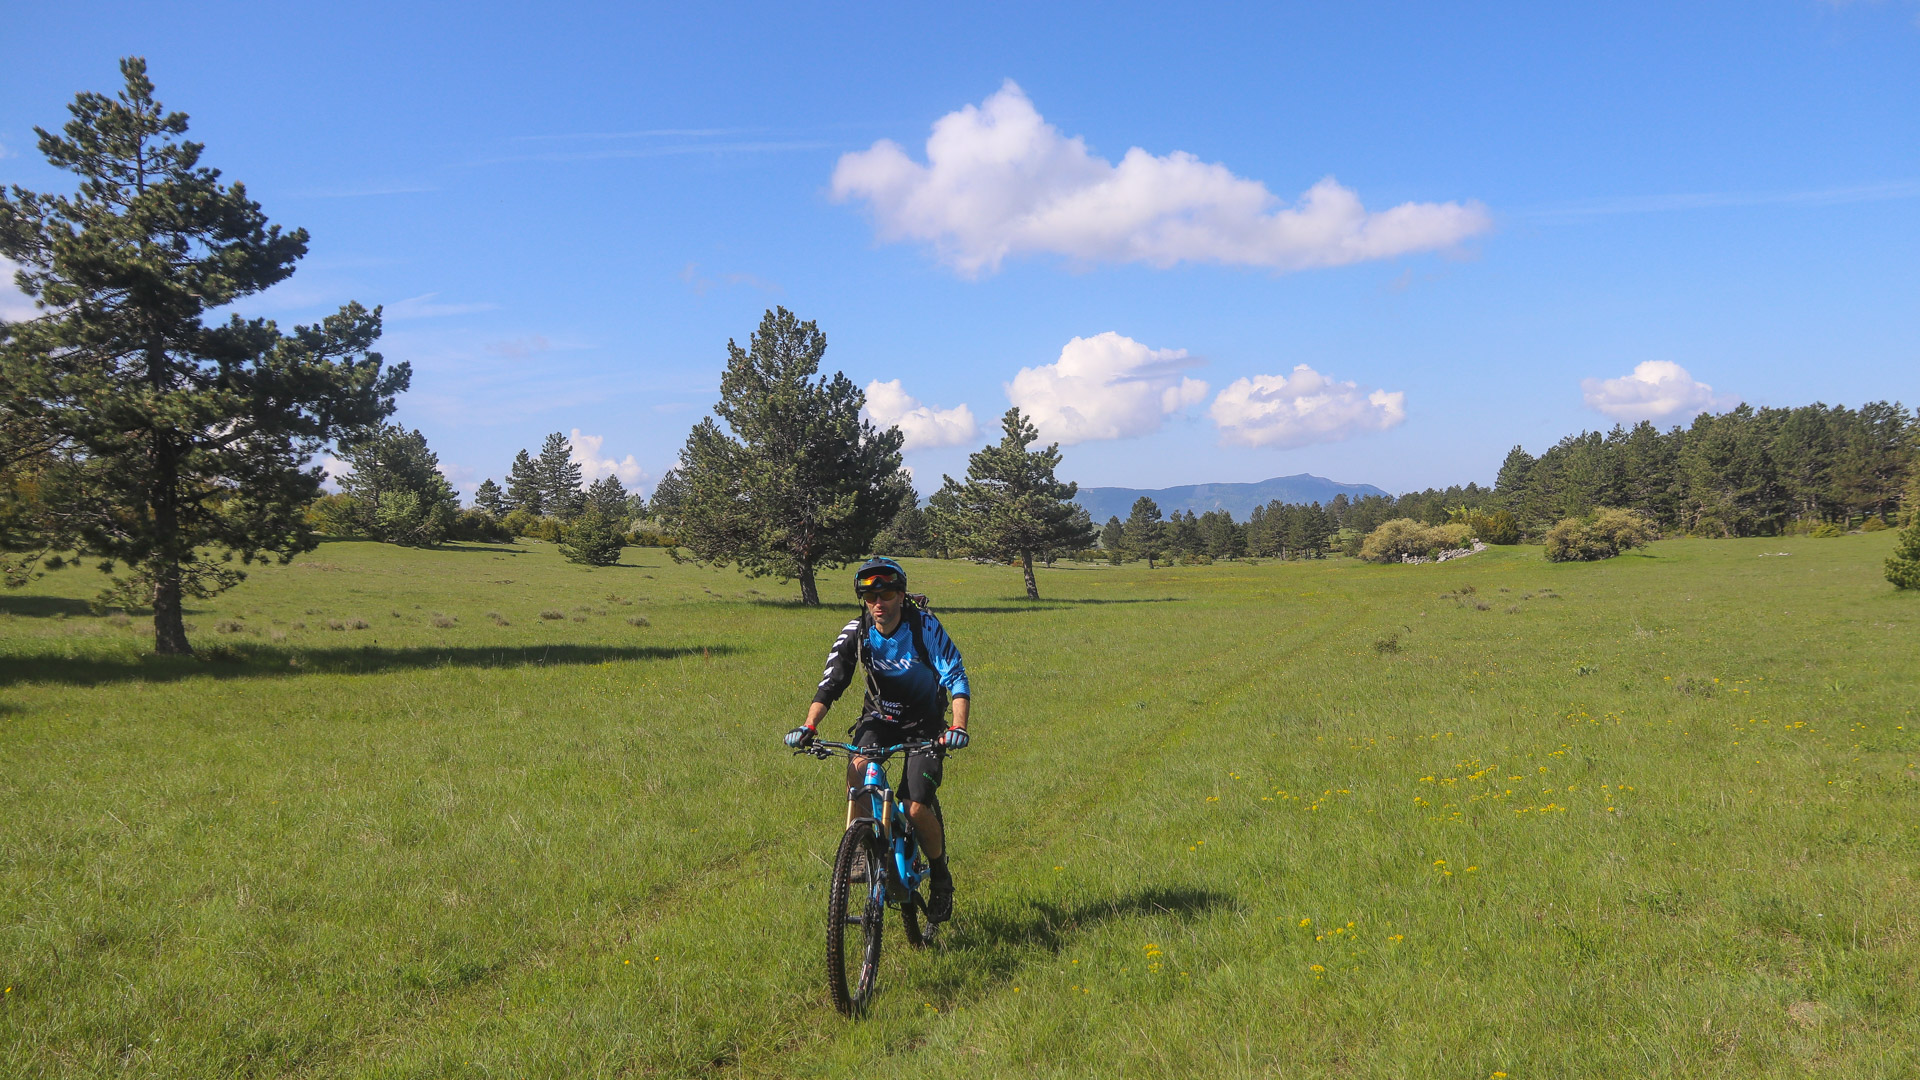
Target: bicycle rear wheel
<point>853,959</point>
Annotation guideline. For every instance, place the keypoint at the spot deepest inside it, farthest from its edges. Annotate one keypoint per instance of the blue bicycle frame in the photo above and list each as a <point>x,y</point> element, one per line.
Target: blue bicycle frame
<point>887,816</point>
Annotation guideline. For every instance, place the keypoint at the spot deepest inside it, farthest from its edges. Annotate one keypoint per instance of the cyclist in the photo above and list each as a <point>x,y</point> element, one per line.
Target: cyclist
<point>912,669</point>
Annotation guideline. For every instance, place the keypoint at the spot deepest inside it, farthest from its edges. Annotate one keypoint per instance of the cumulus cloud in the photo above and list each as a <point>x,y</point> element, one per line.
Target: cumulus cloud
<point>585,452</point>
<point>1302,408</point>
<point>334,469</point>
<point>1657,389</point>
<point>924,426</point>
<point>1107,386</point>
<point>1001,181</point>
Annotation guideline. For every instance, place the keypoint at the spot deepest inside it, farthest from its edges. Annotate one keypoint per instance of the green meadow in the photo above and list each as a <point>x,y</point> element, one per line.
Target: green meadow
<point>477,812</point>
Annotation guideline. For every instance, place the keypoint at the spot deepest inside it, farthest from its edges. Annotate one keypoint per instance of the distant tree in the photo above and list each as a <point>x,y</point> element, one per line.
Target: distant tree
<point>191,440</point>
<point>1078,535</point>
<point>797,481</point>
<point>1113,539</point>
<point>1903,566</point>
<point>1144,531</point>
<point>906,535</point>
<point>397,483</point>
<point>609,498</point>
<point>1183,535</point>
<point>490,498</point>
<point>594,538</point>
<point>1011,506</point>
<point>559,478</point>
<point>524,486</point>
<point>1222,536</point>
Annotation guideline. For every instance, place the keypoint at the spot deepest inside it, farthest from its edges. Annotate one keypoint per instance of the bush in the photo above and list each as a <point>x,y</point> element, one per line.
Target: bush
<point>593,539</point>
<point>1400,537</point>
<point>1903,566</point>
<point>478,526</point>
<point>1826,530</point>
<point>1601,535</point>
<point>527,523</point>
<point>1874,524</point>
<point>337,516</point>
<point>1499,527</point>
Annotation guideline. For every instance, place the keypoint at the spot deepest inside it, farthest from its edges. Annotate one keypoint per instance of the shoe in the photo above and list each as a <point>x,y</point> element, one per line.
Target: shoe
<point>940,901</point>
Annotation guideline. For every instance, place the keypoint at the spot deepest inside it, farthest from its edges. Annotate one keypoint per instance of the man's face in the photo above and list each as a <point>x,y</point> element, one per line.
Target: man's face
<point>884,606</point>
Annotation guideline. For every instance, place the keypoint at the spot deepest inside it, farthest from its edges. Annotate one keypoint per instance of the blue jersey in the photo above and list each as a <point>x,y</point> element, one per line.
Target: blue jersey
<point>902,683</point>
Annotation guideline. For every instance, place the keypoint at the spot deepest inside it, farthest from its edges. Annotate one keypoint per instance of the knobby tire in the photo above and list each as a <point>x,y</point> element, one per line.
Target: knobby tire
<point>850,899</point>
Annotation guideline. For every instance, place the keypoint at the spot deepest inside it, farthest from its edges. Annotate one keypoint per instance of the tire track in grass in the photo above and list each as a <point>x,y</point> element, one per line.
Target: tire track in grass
<point>727,878</point>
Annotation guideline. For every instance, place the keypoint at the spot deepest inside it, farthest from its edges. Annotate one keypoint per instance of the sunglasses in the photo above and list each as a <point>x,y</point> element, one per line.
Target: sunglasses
<point>884,596</point>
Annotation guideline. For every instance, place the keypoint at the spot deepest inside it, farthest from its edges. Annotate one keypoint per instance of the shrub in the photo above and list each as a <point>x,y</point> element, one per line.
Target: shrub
<point>478,526</point>
<point>1499,527</point>
<point>1903,566</point>
<point>1826,530</point>
<point>1400,537</point>
<point>336,516</point>
<point>1874,524</point>
<point>594,539</point>
<point>529,524</point>
<point>1601,535</point>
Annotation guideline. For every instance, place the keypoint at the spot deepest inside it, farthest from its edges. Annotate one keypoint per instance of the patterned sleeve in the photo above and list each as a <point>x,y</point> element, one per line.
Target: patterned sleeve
<point>841,660</point>
<point>946,659</point>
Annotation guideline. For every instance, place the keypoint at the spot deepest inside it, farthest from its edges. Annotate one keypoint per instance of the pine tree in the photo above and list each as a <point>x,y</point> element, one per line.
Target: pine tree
<point>523,486</point>
<point>489,497</point>
<point>1011,506</point>
<point>193,439</point>
<point>609,498</point>
<point>907,535</point>
<point>1903,566</point>
<point>1113,539</point>
<point>559,478</point>
<point>797,481</point>
<point>1145,532</point>
<point>396,481</point>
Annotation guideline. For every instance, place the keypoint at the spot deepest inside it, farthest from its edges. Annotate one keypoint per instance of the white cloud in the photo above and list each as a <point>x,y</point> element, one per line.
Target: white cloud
<point>585,451</point>
<point>1657,389</point>
<point>1105,387</point>
<point>464,478</point>
<point>425,307</point>
<point>15,306</point>
<point>1305,407</point>
<point>924,426</point>
<point>335,469</point>
<point>1000,181</point>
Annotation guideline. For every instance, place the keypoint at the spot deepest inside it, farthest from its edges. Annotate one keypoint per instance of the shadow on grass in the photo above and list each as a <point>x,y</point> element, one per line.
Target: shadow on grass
<point>1013,605</point>
<point>43,606</point>
<point>1000,938</point>
<point>276,662</point>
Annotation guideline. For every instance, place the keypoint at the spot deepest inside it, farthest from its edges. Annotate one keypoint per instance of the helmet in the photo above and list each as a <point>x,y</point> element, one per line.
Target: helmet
<point>878,574</point>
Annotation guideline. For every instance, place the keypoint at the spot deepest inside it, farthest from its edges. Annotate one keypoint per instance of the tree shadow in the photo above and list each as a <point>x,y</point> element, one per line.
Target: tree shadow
<point>249,661</point>
<point>1000,938</point>
<point>43,606</point>
<point>1017,603</point>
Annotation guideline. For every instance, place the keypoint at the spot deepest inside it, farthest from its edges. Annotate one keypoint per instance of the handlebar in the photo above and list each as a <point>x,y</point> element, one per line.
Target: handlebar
<point>823,749</point>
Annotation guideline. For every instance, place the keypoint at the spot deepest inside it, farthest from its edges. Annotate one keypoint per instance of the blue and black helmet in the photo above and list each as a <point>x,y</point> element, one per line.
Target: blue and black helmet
<point>878,575</point>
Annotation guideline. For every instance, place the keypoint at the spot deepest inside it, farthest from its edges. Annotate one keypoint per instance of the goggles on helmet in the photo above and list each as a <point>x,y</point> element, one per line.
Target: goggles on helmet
<point>876,581</point>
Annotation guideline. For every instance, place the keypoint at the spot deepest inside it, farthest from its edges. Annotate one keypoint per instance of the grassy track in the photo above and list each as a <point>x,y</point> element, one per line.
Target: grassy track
<point>1657,816</point>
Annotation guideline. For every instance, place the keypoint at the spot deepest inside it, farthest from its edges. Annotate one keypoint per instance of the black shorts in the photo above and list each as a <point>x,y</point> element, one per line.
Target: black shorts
<point>917,775</point>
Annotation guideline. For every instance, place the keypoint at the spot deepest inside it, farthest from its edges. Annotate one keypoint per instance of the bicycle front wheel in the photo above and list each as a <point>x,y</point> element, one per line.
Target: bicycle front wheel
<point>856,906</point>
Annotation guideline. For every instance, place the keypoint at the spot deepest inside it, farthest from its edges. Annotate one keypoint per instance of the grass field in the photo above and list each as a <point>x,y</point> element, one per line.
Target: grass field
<point>1648,817</point>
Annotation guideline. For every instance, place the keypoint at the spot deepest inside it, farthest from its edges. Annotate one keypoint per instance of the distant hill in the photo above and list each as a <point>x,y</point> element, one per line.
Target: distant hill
<point>1237,499</point>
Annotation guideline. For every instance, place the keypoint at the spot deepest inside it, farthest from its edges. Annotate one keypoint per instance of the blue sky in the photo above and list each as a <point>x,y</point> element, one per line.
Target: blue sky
<point>1541,218</point>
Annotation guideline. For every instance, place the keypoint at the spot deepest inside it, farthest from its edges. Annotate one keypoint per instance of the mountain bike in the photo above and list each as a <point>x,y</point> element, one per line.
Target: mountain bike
<point>878,866</point>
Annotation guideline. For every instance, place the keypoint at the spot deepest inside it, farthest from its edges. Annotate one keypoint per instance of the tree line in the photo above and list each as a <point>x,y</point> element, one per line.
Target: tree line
<point>173,451</point>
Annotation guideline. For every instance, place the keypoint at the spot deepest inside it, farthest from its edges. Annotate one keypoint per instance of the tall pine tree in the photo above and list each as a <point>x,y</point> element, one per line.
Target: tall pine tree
<point>559,478</point>
<point>524,486</point>
<point>1011,506</point>
<point>194,438</point>
<point>797,480</point>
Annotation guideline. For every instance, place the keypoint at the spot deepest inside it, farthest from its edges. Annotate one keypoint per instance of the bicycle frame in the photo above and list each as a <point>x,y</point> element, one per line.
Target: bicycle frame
<point>887,816</point>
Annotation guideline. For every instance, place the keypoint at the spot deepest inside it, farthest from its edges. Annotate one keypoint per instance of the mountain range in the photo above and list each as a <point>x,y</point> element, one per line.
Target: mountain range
<point>1237,499</point>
